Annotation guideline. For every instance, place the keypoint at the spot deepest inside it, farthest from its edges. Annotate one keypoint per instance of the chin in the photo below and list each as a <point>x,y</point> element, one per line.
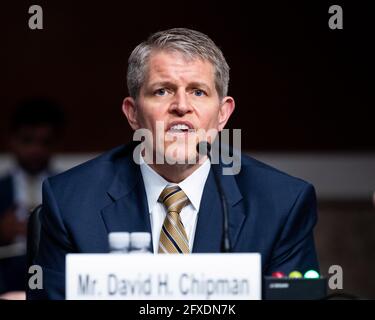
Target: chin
<point>180,154</point>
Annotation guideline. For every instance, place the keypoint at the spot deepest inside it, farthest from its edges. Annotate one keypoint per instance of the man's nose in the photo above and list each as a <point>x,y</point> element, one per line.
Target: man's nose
<point>181,103</point>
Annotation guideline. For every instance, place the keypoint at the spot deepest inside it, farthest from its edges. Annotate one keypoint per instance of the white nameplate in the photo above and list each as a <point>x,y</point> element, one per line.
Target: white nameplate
<point>164,277</point>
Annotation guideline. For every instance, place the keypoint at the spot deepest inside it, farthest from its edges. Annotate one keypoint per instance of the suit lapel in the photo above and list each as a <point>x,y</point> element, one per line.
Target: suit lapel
<point>209,231</point>
<point>129,211</point>
<point>209,228</point>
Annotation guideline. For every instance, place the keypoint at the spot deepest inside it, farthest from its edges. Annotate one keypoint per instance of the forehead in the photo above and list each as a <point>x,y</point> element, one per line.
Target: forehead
<point>175,66</point>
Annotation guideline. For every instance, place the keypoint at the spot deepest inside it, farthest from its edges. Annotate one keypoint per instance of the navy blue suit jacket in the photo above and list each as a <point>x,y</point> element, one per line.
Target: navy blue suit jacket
<point>269,212</point>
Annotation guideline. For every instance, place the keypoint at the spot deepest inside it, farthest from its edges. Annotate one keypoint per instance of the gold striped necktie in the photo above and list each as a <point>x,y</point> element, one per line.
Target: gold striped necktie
<point>173,237</point>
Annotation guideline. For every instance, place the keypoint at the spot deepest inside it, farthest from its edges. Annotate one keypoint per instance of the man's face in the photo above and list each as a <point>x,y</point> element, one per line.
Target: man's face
<point>181,94</point>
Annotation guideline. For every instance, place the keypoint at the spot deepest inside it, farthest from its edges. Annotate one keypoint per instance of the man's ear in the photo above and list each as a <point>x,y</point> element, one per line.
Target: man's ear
<point>226,109</point>
<point>130,111</point>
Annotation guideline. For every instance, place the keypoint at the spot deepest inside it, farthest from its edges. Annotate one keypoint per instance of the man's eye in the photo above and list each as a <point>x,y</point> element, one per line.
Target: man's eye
<point>160,92</point>
<point>199,93</point>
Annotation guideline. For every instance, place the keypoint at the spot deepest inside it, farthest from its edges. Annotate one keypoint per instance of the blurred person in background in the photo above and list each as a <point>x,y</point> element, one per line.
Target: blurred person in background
<point>35,128</point>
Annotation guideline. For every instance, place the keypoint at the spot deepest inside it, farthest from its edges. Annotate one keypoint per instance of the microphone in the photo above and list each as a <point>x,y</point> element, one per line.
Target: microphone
<point>204,149</point>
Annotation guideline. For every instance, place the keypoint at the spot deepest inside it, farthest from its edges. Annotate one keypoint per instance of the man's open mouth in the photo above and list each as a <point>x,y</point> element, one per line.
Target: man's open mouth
<point>180,127</point>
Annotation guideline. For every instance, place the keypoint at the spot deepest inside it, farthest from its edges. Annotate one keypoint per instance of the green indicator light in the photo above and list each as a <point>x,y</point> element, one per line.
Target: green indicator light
<point>311,274</point>
<point>295,274</point>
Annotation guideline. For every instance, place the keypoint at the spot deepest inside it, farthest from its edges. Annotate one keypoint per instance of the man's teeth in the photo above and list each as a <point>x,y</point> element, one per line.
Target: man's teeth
<point>179,127</point>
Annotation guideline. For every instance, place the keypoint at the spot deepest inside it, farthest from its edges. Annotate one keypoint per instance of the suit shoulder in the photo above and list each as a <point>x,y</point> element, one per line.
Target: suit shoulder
<point>90,170</point>
<point>267,174</point>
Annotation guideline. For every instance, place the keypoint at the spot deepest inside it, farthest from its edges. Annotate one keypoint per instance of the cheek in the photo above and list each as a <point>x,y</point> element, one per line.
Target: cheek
<point>146,119</point>
<point>209,120</point>
<point>149,115</point>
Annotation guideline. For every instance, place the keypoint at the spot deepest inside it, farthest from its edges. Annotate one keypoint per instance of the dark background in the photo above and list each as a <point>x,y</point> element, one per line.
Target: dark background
<point>298,85</point>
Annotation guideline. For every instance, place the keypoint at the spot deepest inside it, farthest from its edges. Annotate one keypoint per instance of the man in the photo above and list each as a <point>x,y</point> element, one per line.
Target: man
<point>35,126</point>
<point>177,78</point>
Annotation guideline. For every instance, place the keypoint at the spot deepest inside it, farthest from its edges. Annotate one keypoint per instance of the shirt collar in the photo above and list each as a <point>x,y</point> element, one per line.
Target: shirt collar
<point>193,185</point>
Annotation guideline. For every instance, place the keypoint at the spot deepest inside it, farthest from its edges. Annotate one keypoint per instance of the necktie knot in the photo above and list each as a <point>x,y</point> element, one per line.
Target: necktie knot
<point>174,199</point>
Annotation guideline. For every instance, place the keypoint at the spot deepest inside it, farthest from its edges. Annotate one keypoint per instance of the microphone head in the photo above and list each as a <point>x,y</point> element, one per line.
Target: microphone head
<point>204,148</point>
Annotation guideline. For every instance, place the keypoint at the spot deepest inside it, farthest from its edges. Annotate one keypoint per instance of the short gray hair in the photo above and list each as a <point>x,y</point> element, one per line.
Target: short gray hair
<point>191,43</point>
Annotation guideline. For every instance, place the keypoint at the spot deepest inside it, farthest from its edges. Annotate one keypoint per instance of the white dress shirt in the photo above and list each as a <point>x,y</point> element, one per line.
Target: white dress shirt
<point>193,187</point>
